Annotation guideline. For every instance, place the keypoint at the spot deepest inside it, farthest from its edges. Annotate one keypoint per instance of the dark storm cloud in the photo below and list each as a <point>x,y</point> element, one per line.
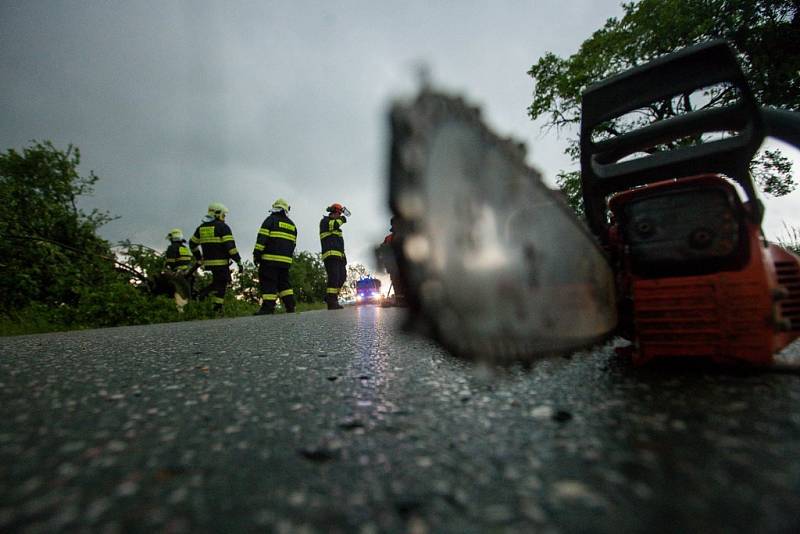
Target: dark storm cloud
<point>178,104</point>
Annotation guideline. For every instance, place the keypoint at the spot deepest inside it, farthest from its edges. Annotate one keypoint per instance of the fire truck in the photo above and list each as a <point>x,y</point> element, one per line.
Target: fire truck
<point>368,291</point>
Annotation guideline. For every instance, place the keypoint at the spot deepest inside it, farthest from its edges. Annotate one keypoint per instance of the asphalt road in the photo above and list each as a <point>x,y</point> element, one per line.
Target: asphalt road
<point>338,422</point>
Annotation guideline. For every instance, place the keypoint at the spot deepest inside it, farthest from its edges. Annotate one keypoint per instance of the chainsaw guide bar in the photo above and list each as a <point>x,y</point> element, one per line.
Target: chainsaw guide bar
<point>497,266</point>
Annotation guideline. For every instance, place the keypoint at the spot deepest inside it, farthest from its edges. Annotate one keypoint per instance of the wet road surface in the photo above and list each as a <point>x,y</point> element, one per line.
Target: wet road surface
<point>338,422</point>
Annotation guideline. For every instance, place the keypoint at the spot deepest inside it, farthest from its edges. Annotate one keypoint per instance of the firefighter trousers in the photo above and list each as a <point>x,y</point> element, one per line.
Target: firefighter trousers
<point>274,284</point>
<point>220,278</point>
<point>336,269</point>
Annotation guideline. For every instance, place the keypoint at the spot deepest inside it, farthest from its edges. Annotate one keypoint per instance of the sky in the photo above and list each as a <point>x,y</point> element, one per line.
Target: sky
<point>178,104</point>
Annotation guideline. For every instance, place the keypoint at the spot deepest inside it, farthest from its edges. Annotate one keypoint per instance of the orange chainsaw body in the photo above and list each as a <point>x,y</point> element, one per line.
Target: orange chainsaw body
<point>695,277</point>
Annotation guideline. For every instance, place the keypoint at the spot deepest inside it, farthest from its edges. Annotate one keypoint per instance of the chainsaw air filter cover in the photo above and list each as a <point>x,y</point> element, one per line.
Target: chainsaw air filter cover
<point>685,231</point>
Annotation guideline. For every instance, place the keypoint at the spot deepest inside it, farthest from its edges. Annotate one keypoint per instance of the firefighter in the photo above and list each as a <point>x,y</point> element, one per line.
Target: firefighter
<point>273,255</point>
<point>213,246</point>
<point>177,279</point>
<point>330,236</point>
<point>386,257</point>
<point>179,257</point>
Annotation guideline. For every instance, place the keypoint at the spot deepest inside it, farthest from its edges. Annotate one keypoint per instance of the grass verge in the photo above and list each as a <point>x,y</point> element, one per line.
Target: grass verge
<point>39,319</point>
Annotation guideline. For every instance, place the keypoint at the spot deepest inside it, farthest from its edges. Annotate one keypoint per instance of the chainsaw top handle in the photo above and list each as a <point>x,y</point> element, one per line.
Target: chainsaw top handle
<point>606,163</point>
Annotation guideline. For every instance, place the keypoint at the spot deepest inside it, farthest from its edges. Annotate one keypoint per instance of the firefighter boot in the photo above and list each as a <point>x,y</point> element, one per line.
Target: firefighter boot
<point>267,308</point>
<point>288,303</point>
<point>333,302</point>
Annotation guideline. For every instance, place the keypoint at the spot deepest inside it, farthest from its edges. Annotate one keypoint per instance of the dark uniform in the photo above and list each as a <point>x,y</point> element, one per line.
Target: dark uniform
<point>179,257</point>
<point>218,248</point>
<point>273,254</point>
<point>386,257</point>
<point>330,236</point>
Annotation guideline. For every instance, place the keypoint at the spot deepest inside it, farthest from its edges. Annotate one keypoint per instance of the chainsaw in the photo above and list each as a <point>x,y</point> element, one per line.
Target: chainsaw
<point>496,266</point>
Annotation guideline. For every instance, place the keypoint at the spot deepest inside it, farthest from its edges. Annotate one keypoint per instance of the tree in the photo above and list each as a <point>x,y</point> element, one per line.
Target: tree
<point>308,277</point>
<point>50,249</point>
<point>763,32</point>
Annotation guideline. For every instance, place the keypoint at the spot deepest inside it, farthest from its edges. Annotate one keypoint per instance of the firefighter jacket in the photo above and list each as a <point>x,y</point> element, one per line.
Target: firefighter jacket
<point>330,237</point>
<point>179,257</point>
<point>276,241</point>
<point>216,240</point>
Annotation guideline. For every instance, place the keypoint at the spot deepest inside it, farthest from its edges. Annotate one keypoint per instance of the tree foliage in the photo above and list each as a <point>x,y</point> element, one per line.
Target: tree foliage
<point>308,277</point>
<point>244,284</point>
<point>771,171</point>
<point>50,251</point>
<point>763,32</point>
<point>144,262</point>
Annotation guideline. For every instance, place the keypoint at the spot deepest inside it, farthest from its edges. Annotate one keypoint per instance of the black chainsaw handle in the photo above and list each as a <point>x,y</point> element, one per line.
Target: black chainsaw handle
<point>783,125</point>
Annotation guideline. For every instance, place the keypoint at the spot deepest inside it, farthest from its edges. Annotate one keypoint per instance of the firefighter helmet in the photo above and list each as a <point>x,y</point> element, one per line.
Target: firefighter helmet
<point>281,204</point>
<point>176,234</point>
<point>217,209</point>
<point>337,208</point>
